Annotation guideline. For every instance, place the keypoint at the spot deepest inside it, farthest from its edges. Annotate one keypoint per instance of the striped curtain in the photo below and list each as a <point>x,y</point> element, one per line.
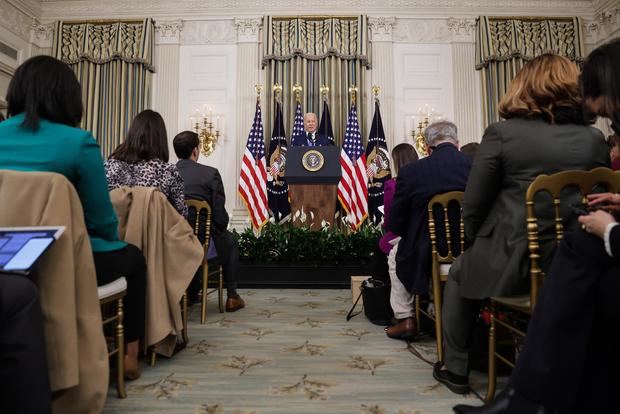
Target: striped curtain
<point>504,45</point>
<point>113,62</point>
<point>311,52</point>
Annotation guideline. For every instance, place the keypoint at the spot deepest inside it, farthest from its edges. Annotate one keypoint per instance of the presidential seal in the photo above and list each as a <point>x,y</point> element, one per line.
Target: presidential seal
<point>312,160</point>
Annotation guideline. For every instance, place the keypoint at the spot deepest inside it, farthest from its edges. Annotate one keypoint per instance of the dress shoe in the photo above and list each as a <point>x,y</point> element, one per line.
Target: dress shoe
<point>233,304</point>
<point>506,402</point>
<point>458,384</point>
<point>404,329</point>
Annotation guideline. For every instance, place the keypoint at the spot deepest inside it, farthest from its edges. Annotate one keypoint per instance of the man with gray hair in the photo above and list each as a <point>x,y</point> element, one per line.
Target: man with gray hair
<point>445,169</point>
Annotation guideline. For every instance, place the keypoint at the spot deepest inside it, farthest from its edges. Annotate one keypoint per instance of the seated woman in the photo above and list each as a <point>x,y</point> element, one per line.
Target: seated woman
<point>400,299</point>
<point>542,111</point>
<point>42,134</point>
<point>569,362</point>
<point>142,160</point>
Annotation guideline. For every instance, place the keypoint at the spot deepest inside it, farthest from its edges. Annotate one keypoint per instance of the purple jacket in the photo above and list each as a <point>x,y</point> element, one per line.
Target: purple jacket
<point>389,188</point>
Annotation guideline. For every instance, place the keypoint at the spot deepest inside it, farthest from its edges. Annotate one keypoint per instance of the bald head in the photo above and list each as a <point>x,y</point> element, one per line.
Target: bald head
<point>310,122</point>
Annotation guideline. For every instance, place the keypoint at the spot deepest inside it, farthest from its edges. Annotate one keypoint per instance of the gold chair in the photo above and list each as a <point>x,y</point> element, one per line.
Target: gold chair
<point>111,301</point>
<point>440,264</point>
<point>199,217</point>
<point>523,305</point>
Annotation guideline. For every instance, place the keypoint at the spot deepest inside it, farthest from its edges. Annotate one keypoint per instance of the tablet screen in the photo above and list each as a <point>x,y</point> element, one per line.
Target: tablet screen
<point>19,249</point>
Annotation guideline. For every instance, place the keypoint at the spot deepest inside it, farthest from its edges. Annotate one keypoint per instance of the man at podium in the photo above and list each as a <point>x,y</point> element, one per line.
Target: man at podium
<point>312,137</point>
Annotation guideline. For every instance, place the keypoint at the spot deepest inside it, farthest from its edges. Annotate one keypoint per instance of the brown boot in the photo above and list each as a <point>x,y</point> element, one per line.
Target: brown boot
<point>404,329</point>
<point>233,304</point>
<point>132,368</point>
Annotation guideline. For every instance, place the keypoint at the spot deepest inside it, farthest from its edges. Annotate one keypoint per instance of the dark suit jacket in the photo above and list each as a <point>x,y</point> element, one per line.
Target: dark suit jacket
<point>446,169</point>
<point>512,154</point>
<point>205,183</point>
<point>321,140</point>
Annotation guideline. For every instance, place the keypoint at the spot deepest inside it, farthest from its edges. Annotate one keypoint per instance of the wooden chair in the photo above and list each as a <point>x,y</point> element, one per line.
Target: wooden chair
<point>199,217</point>
<point>440,264</point>
<point>111,300</point>
<point>523,305</point>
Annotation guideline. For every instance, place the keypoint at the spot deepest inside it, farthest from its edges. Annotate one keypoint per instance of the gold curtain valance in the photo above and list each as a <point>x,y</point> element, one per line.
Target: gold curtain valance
<point>502,38</point>
<point>316,38</point>
<point>103,42</point>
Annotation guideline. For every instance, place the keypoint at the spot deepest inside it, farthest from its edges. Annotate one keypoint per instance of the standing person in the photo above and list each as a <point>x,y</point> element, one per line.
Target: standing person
<point>42,134</point>
<point>569,362</point>
<point>312,137</point>
<point>445,169</point>
<point>142,160</point>
<point>202,182</point>
<point>402,154</point>
<point>542,110</point>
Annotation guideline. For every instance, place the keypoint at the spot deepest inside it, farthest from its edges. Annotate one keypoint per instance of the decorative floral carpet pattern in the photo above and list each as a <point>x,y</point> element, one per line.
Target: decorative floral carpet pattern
<point>290,351</point>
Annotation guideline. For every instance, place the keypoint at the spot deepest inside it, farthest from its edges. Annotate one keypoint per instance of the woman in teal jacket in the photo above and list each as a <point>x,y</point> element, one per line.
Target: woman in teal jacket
<point>41,134</point>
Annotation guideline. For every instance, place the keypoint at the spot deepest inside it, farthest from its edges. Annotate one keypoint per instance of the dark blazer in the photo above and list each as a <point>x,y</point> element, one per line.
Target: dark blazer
<point>512,154</point>
<point>321,140</point>
<point>205,183</point>
<point>446,169</point>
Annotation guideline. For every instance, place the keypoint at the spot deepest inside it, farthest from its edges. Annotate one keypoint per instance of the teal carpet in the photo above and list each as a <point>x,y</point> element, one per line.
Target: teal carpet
<point>290,351</point>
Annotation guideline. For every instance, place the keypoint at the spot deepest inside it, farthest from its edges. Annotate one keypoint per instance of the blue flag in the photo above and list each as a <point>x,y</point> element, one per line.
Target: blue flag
<point>298,136</point>
<point>326,123</point>
<point>377,165</point>
<point>277,188</point>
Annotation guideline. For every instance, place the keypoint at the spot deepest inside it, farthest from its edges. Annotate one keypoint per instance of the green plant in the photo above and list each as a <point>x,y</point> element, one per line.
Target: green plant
<point>286,243</point>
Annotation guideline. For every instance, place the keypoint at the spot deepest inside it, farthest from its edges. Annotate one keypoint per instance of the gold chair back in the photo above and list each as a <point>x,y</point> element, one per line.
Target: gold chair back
<point>196,208</point>
<point>445,200</point>
<point>585,182</point>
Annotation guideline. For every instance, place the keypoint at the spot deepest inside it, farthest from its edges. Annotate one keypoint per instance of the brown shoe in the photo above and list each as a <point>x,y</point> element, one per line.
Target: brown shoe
<point>404,329</point>
<point>132,368</point>
<point>234,304</point>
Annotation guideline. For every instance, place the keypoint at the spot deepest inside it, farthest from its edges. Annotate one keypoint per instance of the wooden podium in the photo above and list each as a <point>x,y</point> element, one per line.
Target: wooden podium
<point>312,174</point>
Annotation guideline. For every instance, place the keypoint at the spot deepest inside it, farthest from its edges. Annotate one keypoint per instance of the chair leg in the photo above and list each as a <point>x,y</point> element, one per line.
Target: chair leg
<point>437,300</point>
<point>492,360</point>
<point>203,299</point>
<point>153,356</point>
<point>416,303</point>
<point>120,354</point>
<point>220,291</point>
<point>185,318</point>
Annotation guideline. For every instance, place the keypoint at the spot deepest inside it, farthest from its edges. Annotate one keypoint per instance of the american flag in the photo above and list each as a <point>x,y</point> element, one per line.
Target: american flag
<point>298,137</point>
<point>353,186</point>
<point>253,180</point>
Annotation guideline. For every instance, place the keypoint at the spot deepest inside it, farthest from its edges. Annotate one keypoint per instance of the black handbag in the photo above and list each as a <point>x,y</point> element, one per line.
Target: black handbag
<point>375,296</point>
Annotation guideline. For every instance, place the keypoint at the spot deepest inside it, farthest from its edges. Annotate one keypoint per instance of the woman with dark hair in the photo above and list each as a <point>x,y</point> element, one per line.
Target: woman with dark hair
<point>402,154</point>
<point>569,362</point>
<point>142,160</point>
<point>542,111</point>
<point>42,134</point>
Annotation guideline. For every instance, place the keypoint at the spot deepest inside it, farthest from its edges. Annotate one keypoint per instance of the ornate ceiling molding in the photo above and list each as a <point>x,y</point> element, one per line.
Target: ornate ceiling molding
<point>168,32</point>
<point>422,31</point>
<point>381,28</point>
<point>15,20</point>
<point>67,9</point>
<point>605,25</point>
<point>462,30</point>
<point>248,30</point>
<point>201,32</point>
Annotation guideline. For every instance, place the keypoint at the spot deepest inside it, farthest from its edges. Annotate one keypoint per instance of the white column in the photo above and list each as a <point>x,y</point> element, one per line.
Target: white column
<point>248,75</point>
<point>467,87</point>
<point>165,90</point>
<point>382,73</point>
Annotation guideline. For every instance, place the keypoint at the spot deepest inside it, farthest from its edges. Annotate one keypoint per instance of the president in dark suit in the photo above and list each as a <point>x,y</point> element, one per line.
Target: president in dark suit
<point>205,183</point>
<point>311,137</point>
<point>445,169</point>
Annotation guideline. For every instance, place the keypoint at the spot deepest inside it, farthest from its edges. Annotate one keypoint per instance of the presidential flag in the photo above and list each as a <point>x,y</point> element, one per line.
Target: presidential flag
<point>298,136</point>
<point>277,188</point>
<point>353,186</point>
<point>253,179</point>
<point>377,165</point>
<point>325,128</point>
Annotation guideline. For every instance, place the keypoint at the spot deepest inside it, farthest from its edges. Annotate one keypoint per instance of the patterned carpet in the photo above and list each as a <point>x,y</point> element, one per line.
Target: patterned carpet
<point>290,351</point>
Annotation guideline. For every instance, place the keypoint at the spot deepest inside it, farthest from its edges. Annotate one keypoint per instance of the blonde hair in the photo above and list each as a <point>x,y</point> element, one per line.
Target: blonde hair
<point>546,87</point>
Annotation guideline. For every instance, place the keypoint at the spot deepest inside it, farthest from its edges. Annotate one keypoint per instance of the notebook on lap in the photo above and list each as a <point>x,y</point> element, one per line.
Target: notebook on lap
<point>21,247</point>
